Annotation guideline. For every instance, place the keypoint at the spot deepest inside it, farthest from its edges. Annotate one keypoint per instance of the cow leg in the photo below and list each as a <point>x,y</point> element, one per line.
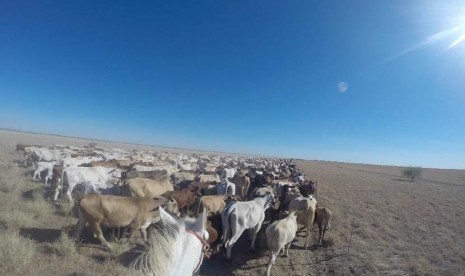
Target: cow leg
<point>310,219</point>
<point>235,235</point>
<point>80,225</point>
<point>286,249</point>
<point>34,176</point>
<point>133,229</point>
<point>57,192</point>
<point>68,193</point>
<point>95,226</point>
<point>254,236</point>
<point>307,239</point>
<point>273,256</point>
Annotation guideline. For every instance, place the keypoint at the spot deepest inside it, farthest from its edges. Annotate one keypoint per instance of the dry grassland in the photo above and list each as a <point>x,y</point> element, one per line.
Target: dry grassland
<point>400,227</point>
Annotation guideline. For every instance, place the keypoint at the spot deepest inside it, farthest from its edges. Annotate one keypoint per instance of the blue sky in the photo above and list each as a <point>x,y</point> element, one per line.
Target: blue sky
<point>257,77</point>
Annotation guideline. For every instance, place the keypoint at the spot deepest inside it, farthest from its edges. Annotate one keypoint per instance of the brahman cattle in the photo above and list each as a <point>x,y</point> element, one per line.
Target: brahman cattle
<point>323,219</point>
<point>185,197</point>
<point>76,175</point>
<point>44,166</point>
<point>307,206</point>
<point>241,215</point>
<point>118,211</point>
<point>144,187</point>
<point>213,204</point>
<point>279,236</point>
<point>242,184</point>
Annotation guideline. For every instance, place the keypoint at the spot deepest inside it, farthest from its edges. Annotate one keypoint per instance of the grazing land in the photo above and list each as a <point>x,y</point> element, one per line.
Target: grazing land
<point>398,227</point>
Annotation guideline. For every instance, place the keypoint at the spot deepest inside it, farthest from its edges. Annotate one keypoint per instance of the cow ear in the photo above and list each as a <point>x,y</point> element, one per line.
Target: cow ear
<point>167,219</point>
<point>199,225</point>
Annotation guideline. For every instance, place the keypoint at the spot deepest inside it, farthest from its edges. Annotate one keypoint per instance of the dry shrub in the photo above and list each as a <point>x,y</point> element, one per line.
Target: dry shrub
<point>15,219</point>
<point>421,266</point>
<point>118,246</point>
<point>64,246</point>
<point>38,207</point>
<point>15,252</point>
<point>66,209</point>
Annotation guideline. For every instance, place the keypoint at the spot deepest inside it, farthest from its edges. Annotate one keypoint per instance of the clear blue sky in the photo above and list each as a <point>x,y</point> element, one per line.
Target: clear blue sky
<point>378,82</point>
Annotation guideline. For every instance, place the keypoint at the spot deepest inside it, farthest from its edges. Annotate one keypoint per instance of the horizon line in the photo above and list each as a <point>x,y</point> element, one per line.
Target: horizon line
<point>211,151</point>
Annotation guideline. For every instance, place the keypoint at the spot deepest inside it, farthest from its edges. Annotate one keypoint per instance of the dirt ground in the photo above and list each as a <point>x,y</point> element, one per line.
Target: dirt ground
<point>398,227</point>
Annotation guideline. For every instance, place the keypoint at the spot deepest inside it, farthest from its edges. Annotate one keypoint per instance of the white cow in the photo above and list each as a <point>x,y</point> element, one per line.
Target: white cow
<point>37,154</point>
<point>42,166</point>
<point>241,215</point>
<point>76,161</point>
<point>279,236</point>
<point>229,173</point>
<point>73,176</point>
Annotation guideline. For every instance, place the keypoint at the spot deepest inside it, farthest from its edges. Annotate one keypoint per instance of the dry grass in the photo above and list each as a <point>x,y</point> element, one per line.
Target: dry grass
<point>64,246</point>
<point>15,252</point>
<point>10,179</point>
<point>400,228</point>
<point>14,220</point>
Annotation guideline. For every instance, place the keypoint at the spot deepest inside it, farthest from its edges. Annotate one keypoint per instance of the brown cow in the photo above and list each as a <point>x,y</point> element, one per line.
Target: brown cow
<point>119,211</point>
<point>185,197</point>
<point>144,187</point>
<point>213,204</point>
<point>323,219</point>
<point>242,184</point>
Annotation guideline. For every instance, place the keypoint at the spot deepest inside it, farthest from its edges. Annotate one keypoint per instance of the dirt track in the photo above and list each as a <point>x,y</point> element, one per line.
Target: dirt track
<point>400,227</point>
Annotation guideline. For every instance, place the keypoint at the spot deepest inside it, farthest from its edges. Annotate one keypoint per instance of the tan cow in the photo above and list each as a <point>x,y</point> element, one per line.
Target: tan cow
<point>214,204</point>
<point>307,206</point>
<point>242,184</point>
<point>323,219</point>
<point>279,236</point>
<point>145,187</point>
<point>208,178</point>
<point>119,211</point>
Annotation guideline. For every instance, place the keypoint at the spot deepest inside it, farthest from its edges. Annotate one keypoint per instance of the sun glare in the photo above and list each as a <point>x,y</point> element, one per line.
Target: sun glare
<point>459,29</point>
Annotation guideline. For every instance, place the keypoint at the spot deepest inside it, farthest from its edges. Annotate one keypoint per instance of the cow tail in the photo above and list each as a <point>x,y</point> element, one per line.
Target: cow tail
<point>328,219</point>
<point>225,219</point>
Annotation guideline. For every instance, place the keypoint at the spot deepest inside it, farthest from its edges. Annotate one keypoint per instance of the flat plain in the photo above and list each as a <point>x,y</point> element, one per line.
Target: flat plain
<point>394,226</point>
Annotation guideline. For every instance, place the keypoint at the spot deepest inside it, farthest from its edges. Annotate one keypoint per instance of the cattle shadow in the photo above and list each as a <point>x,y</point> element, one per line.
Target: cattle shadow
<point>240,255</point>
<point>40,235</point>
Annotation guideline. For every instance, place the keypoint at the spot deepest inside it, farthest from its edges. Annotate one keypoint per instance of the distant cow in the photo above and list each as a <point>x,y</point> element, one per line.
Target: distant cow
<point>323,219</point>
<point>208,178</point>
<point>73,176</point>
<point>44,166</point>
<point>144,187</point>
<point>155,174</point>
<point>242,184</point>
<point>118,211</point>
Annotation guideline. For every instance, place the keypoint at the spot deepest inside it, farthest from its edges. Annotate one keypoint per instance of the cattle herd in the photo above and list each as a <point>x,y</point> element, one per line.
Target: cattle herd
<point>135,189</point>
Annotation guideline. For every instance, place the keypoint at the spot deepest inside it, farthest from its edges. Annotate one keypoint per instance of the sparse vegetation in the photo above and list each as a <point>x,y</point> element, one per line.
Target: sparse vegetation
<point>118,246</point>
<point>15,252</point>
<point>14,219</point>
<point>37,207</point>
<point>10,179</point>
<point>411,173</point>
<point>64,246</point>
